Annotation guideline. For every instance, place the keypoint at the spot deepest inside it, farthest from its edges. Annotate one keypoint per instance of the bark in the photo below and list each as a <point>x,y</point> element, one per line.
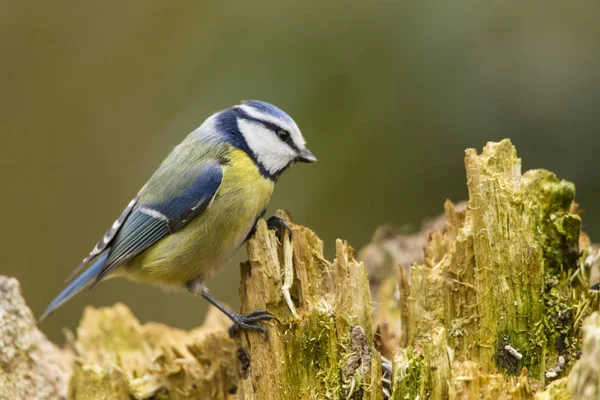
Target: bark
<point>496,309</point>
<point>323,347</point>
<point>30,366</point>
<point>118,358</point>
<point>497,306</point>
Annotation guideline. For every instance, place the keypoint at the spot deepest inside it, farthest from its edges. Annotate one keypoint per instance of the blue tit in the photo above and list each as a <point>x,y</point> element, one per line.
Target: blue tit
<point>199,207</point>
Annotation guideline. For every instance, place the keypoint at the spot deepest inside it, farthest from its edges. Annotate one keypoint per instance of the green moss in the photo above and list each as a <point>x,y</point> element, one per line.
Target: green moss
<point>552,223</point>
<point>315,346</point>
<point>557,231</point>
<point>408,375</point>
<point>312,349</point>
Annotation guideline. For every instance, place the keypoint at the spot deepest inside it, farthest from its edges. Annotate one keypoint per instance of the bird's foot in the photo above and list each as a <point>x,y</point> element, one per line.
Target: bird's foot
<point>245,322</point>
<point>248,322</point>
<point>278,224</point>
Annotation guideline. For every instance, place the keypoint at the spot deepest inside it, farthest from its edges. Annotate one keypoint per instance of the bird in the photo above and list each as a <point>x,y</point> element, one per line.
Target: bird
<point>199,207</point>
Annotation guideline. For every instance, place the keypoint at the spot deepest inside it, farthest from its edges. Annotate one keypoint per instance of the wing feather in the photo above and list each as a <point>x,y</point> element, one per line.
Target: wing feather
<point>147,219</point>
<point>149,223</point>
<point>143,231</point>
<point>106,239</point>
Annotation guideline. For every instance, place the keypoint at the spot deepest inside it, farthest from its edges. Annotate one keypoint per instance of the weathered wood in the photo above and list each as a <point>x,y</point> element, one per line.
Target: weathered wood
<point>500,299</point>
<point>584,381</point>
<point>119,358</point>
<point>323,346</point>
<point>30,366</point>
<point>497,306</point>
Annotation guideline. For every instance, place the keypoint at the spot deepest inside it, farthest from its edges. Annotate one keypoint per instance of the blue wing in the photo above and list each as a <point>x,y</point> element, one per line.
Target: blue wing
<point>144,227</point>
<point>145,224</point>
<point>106,239</point>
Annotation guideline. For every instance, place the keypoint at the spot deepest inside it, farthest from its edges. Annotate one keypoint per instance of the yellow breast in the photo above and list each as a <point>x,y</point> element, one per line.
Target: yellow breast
<point>209,241</point>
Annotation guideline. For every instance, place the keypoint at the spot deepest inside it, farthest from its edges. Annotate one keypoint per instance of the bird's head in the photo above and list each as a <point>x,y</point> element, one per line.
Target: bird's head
<point>266,133</point>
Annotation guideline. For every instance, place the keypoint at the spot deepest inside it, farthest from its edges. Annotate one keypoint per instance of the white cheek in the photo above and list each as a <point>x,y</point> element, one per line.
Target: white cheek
<point>289,126</point>
<point>271,152</point>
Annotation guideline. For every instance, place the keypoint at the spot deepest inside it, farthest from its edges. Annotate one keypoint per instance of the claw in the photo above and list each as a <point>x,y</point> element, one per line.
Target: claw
<point>263,315</point>
<point>240,321</point>
<point>246,322</point>
<point>278,224</point>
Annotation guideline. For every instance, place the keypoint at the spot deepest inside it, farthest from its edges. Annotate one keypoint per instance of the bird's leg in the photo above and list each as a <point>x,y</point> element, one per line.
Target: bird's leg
<point>278,224</point>
<point>240,321</point>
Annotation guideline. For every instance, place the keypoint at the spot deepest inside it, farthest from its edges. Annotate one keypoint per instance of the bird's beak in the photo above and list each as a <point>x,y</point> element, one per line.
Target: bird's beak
<point>306,156</point>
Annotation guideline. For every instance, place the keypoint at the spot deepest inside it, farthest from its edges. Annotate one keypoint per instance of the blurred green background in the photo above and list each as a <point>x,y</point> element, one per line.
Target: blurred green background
<point>387,93</point>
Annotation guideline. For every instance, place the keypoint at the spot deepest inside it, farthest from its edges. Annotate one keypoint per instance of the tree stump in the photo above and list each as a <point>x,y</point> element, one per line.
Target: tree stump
<point>497,306</point>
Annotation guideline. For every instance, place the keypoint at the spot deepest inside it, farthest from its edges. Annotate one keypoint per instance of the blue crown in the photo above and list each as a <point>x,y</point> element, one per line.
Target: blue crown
<point>268,109</point>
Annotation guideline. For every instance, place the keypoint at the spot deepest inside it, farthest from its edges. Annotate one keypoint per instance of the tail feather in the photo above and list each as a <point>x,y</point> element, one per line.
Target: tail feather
<point>386,379</point>
<point>82,281</point>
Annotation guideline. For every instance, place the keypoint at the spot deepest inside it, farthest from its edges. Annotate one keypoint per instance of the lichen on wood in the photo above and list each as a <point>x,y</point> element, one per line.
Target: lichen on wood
<point>119,358</point>
<point>321,348</point>
<point>496,306</point>
<point>31,367</point>
<point>504,287</point>
<point>584,381</point>
<point>326,351</point>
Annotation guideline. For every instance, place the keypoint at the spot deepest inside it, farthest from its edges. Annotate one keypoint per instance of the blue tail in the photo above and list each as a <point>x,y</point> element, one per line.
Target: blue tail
<point>77,285</point>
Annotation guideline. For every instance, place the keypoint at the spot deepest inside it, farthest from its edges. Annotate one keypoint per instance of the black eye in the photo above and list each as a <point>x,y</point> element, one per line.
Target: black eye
<point>283,135</point>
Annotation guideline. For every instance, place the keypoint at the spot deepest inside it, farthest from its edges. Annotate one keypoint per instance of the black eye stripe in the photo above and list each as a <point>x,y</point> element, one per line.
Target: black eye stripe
<point>287,139</point>
<point>272,127</point>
